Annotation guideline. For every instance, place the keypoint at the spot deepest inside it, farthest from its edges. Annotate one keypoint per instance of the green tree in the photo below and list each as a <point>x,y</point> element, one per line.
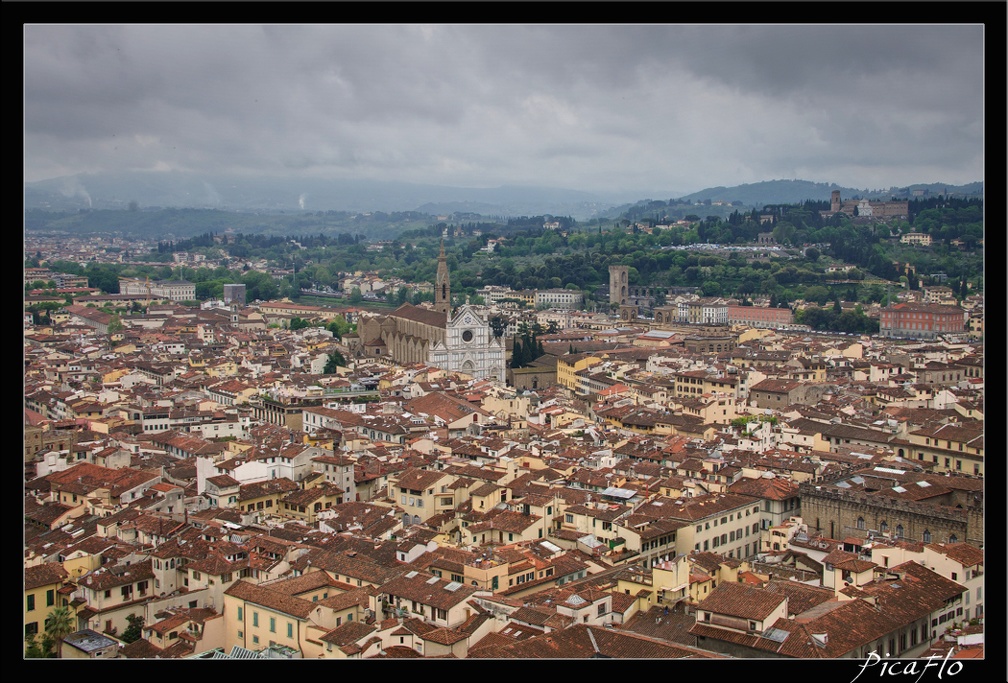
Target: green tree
<point>134,631</point>
<point>339,327</point>
<point>297,323</point>
<point>33,650</point>
<point>335,360</point>
<point>498,324</point>
<point>818,294</point>
<point>58,625</point>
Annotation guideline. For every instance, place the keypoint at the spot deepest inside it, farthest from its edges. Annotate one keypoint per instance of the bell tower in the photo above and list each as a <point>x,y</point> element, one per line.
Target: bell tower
<point>442,286</point>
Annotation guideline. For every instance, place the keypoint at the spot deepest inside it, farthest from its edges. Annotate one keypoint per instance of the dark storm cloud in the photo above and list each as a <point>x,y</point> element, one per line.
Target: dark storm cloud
<point>664,108</point>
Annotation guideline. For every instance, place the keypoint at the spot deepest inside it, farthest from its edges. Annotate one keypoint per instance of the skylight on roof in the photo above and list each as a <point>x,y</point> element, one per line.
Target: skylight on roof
<point>453,586</point>
<point>924,484</point>
<point>776,635</point>
<point>899,489</point>
<point>433,579</point>
<point>411,574</point>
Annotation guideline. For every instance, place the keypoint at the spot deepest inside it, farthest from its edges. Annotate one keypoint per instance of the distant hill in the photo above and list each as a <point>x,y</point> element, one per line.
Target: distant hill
<point>760,194</point>
<point>186,190</point>
<point>152,189</point>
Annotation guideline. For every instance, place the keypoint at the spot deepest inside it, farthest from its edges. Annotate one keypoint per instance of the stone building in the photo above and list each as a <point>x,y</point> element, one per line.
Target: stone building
<point>866,208</point>
<point>460,340</point>
<point>897,504</point>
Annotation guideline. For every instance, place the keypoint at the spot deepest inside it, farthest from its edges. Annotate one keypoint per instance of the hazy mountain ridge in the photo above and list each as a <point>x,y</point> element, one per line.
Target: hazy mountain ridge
<point>798,191</point>
<point>187,190</point>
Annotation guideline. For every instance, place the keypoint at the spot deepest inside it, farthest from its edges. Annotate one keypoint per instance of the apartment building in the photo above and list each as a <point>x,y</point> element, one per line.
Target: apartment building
<point>921,321</point>
<point>724,523</point>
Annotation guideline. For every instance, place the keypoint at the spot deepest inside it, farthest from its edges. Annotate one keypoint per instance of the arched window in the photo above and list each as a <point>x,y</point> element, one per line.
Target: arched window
<point>860,522</point>
<point>953,539</point>
<point>883,527</point>
<point>927,536</point>
<point>899,531</point>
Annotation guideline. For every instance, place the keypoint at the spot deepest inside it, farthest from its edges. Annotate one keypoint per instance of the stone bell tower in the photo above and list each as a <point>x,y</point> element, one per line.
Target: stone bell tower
<point>442,286</point>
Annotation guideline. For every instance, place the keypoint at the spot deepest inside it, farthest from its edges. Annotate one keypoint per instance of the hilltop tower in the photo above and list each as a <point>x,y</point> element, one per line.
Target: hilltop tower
<point>618,284</point>
<point>442,286</point>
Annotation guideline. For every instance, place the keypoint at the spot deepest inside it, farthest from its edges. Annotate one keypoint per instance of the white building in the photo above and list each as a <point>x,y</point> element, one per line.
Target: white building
<point>469,346</point>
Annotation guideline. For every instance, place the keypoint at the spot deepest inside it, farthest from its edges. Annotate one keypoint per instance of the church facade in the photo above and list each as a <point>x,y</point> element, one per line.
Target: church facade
<point>458,341</point>
<point>469,347</point>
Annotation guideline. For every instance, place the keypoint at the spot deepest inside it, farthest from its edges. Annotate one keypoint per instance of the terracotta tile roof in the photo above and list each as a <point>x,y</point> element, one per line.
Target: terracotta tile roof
<point>963,553</point>
<point>801,597</point>
<point>271,599</point>
<point>739,600</point>
<point>44,574</point>
<point>584,642</point>
<point>348,633</point>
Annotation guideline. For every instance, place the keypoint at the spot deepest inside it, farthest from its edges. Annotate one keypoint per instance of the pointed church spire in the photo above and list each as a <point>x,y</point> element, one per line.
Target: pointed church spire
<point>442,286</point>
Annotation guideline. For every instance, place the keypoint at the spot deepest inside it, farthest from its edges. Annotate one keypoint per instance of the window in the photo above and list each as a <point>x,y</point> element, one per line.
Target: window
<point>255,618</point>
<point>290,630</point>
<point>860,523</point>
<point>272,625</point>
<point>883,527</point>
<point>255,640</point>
<point>899,531</point>
<point>31,603</point>
<point>927,536</point>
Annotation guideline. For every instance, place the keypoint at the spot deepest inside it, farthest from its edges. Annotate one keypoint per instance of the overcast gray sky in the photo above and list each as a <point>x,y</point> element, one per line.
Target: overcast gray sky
<point>661,109</point>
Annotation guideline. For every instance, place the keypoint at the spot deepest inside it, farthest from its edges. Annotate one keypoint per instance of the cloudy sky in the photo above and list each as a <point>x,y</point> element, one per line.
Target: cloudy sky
<point>661,109</point>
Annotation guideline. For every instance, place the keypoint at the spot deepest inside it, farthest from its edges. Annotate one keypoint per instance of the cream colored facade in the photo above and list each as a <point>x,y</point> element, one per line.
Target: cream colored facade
<point>567,370</point>
<point>731,528</point>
